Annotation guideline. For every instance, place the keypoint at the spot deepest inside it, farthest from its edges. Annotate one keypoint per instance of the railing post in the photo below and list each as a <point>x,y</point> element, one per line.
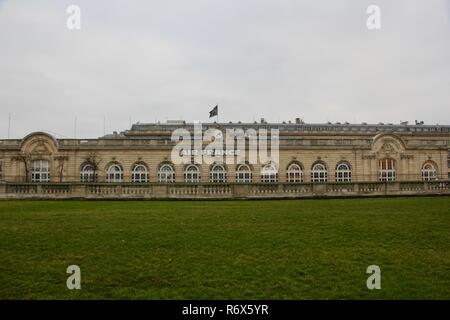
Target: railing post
<point>161,191</point>
<point>392,188</point>
<point>319,188</point>
<point>39,189</point>
<point>79,190</point>
<point>2,189</point>
<point>241,190</point>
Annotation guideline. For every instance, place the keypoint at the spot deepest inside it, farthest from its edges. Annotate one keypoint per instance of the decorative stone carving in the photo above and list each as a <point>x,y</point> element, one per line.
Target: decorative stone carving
<point>39,147</point>
<point>387,147</point>
<point>406,156</point>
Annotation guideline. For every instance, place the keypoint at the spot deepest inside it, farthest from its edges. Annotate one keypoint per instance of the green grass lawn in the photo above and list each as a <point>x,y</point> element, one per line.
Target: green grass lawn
<point>286,249</point>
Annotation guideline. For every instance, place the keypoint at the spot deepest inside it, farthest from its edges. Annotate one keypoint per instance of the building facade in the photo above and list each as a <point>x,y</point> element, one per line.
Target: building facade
<point>314,159</point>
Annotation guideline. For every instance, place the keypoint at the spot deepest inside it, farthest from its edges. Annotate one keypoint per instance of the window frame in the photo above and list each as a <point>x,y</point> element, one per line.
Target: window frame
<point>269,175</point>
<point>166,176</point>
<point>319,175</point>
<point>87,176</point>
<point>429,174</point>
<point>114,176</point>
<point>244,176</point>
<point>294,175</point>
<point>343,175</point>
<point>387,170</point>
<point>140,176</point>
<point>40,176</point>
<point>192,176</point>
<point>218,176</point>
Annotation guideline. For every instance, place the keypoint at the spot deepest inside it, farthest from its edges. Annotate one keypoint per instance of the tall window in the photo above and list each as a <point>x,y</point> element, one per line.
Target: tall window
<point>218,174</point>
<point>40,171</point>
<point>114,173</point>
<point>192,174</point>
<point>387,170</point>
<point>319,173</point>
<point>343,172</point>
<point>269,173</point>
<point>139,174</point>
<point>244,174</point>
<point>1,170</point>
<point>429,171</point>
<point>87,173</point>
<point>166,173</point>
<point>294,173</point>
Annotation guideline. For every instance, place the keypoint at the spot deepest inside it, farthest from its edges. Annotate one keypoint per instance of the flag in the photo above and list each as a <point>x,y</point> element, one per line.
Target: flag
<point>214,111</point>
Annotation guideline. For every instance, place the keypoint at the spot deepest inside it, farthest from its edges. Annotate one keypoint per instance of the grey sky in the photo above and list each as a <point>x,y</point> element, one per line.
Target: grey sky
<point>158,60</point>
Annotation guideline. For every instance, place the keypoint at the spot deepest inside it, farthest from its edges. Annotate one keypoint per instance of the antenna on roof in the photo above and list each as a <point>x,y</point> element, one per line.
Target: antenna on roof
<point>9,125</point>
<point>75,128</point>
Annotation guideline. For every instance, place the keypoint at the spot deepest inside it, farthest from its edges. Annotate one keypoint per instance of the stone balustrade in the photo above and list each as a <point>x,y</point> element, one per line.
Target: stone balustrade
<point>10,190</point>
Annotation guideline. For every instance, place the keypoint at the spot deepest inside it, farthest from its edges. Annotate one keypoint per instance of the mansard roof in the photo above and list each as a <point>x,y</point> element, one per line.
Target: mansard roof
<point>140,128</point>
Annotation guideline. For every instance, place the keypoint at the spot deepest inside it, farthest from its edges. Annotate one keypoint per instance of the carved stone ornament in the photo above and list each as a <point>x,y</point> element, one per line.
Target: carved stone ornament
<point>369,156</point>
<point>39,147</point>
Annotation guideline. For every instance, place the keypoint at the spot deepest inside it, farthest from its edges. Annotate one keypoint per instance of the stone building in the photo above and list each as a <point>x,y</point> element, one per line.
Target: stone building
<point>313,159</point>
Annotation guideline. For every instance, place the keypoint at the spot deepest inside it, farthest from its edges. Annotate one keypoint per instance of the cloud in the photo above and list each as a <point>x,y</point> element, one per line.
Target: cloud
<point>158,60</point>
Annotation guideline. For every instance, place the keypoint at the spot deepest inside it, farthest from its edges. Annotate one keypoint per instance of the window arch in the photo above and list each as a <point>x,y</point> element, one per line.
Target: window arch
<point>88,173</point>
<point>139,173</point>
<point>294,173</point>
<point>319,172</point>
<point>40,171</point>
<point>386,169</point>
<point>343,172</point>
<point>218,174</point>
<point>114,173</point>
<point>244,174</point>
<point>192,173</point>
<point>166,173</point>
<point>269,173</point>
<point>429,171</point>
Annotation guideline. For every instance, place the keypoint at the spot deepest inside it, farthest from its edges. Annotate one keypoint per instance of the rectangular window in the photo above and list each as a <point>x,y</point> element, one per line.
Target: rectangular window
<point>294,176</point>
<point>243,177</point>
<point>387,170</point>
<point>269,177</point>
<point>1,170</point>
<point>40,171</point>
<point>319,176</point>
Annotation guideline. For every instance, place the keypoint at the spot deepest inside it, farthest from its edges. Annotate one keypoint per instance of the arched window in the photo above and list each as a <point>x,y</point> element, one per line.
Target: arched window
<point>386,169</point>
<point>343,172</point>
<point>114,173</point>
<point>218,174</point>
<point>139,174</point>
<point>192,174</point>
<point>429,171</point>
<point>319,173</point>
<point>294,173</point>
<point>40,171</point>
<point>166,173</point>
<point>244,174</point>
<point>88,173</point>
<point>269,173</point>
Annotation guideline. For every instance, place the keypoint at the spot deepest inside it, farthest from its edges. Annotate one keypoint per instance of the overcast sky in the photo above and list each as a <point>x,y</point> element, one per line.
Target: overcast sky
<point>141,60</point>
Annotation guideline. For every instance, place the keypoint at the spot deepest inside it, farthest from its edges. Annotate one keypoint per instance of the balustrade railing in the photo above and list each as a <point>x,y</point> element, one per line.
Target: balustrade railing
<point>222,190</point>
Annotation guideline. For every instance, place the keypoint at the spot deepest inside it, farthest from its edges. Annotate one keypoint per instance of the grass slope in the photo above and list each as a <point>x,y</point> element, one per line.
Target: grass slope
<point>289,249</point>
